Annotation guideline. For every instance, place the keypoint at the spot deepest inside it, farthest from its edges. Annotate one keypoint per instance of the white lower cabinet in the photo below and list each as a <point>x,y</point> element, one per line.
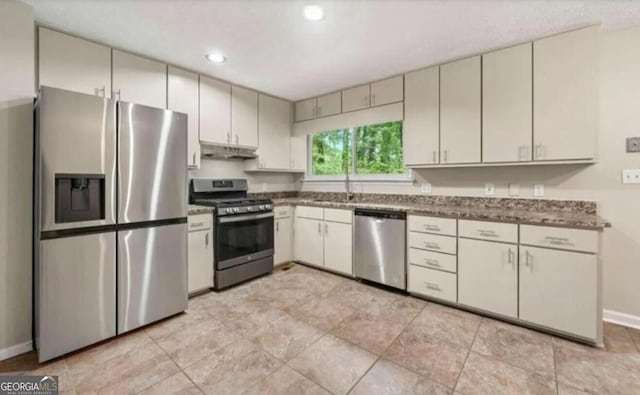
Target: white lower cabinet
<point>200,252</point>
<point>488,276</point>
<point>324,237</point>
<point>559,290</point>
<point>283,235</point>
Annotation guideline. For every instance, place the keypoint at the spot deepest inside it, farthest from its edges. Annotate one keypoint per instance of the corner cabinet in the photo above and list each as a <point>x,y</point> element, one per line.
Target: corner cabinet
<point>283,235</point>
<point>565,95</point>
<point>182,96</point>
<point>74,64</point>
<point>139,80</point>
<point>200,252</point>
<point>460,111</point>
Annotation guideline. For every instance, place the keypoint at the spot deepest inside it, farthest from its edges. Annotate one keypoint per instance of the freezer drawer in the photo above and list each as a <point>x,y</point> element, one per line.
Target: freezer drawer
<point>152,274</point>
<point>152,160</point>
<point>76,293</point>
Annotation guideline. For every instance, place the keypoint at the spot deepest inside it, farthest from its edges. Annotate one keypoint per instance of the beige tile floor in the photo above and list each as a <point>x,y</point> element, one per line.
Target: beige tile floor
<point>303,331</point>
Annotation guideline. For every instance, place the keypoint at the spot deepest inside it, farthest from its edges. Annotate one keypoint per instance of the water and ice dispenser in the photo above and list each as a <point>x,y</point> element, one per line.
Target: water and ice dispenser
<point>79,197</point>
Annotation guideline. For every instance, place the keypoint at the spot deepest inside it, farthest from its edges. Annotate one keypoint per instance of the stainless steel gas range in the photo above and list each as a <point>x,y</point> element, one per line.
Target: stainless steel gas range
<point>243,234</point>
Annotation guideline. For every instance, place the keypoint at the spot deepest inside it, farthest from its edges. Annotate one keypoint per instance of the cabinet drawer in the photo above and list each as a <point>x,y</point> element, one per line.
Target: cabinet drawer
<point>282,211</point>
<point>495,231</point>
<point>437,243</point>
<point>434,283</point>
<point>337,215</point>
<point>563,238</point>
<point>443,226</point>
<point>434,260</point>
<point>199,222</point>
<point>309,212</point>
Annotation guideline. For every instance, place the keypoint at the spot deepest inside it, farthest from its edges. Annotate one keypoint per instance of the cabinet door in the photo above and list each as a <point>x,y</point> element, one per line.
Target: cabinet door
<point>421,127</point>
<point>299,152</point>
<point>306,109</point>
<point>215,111</point>
<point>460,111</point>
<point>564,94</point>
<point>488,276</point>
<point>356,98</point>
<point>307,245</point>
<point>139,80</point>
<point>200,260</point>
<point>559,290</point>
<point>274,128</point>
<point>283,240</point>
<point>506,105</point>
<point>330,104</point>
<point>183,97</point>
<point>387,91</point>
<point>74,64</point>
<point>244,117</point>
<point>338,247</point>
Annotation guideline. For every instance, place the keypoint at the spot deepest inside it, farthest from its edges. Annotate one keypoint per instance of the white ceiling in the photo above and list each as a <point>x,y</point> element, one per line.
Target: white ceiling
<point>270,47</point>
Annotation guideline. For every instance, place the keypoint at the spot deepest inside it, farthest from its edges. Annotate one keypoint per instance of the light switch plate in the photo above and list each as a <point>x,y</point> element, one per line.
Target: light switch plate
<point>425,188</point>
<point>633,144</point>
<point>631,176</point>
<point>514,189</point>
<point>538,190</point>
<point>489,189</point>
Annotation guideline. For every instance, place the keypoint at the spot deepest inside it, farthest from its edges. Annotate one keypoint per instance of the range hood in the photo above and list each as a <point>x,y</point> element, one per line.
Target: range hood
<point>223,152</point>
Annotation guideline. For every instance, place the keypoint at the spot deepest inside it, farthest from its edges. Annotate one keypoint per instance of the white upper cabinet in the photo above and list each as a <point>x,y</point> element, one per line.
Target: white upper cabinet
<point>387,91</point>
<point>74,64</point>
<point>298,149</point>
<point>306,109</point>
<point>565,98</point>
<point>330,104</point>
<point>244,117</point>
<point>356,98</point>
<point>139,80</point>
<point>421,133</point>
<point>215,111</point>
<point>183,97</point>
<point>460,111</point>
<point>506,105</point>
<point>274,128</point>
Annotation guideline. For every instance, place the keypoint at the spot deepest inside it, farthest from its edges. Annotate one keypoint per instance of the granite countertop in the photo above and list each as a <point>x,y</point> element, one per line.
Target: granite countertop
<point>194,209</point>
<point>572,219</point>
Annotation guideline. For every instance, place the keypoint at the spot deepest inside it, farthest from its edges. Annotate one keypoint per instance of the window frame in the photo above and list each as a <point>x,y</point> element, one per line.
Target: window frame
<point>407,176</point>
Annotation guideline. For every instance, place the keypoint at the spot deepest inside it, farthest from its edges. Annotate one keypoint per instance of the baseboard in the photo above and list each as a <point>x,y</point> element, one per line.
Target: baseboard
<point>619,318</point>
<point>13,351</point>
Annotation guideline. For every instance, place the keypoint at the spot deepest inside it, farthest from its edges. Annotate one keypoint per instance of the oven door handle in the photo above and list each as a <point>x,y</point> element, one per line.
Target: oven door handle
<point>240,218</point>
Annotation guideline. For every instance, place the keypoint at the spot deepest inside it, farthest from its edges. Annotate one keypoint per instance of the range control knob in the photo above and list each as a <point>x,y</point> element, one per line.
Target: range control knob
<point>236,210</point>
<point>261,207</point>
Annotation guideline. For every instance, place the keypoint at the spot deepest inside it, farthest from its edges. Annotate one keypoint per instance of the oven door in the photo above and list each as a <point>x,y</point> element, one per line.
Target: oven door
<point>243,238</point>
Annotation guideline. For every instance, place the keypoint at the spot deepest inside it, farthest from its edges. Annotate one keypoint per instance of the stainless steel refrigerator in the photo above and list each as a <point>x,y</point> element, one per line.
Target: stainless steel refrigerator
<point>110,220</point>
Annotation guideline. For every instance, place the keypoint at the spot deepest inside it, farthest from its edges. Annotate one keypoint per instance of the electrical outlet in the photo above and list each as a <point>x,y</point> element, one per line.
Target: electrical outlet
<point>538,190</point>
<point>514,189</point>
<point>631,176</point>
<point>633,144</point>
<point>425,188</point>
<point>489,189</point>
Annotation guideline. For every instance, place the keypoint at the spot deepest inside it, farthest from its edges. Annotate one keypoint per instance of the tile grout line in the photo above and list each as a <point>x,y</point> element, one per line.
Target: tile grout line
<point>468,353</point>
<point>555,367</point>
<point>379,357</point>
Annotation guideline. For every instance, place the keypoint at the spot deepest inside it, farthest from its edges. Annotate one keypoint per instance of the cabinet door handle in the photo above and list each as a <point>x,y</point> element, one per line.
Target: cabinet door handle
<point>528,260</point>
<point>511,257</point>
<point>326,229</point>
<point>206,240</point>
<point>434,156</point>
<point>277,227</point>
<point>194,158</point>
<point>319,111</point>
<point>101,90</point>
<point>373,100</point>
<point>520,152</point>
<point>116,93</point>
<point>237,139</point>
<point>446,156</point>
<point>319,228</point>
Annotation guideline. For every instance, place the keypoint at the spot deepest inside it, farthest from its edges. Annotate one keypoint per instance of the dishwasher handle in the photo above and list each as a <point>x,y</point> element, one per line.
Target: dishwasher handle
<point>380,214</point>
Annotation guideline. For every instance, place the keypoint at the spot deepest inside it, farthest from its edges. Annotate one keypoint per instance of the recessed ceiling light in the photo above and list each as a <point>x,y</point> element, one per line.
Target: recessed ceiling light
<point>215,57</point>
<point>314,13</point>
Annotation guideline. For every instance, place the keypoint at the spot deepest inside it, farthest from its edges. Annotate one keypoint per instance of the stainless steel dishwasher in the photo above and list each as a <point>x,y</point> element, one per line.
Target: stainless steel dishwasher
<point>380,247</point>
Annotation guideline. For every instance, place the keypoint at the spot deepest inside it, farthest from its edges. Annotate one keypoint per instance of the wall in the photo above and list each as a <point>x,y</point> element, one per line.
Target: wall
<point>619,117</point>
<point>268,182</point>
<point>16,145</point>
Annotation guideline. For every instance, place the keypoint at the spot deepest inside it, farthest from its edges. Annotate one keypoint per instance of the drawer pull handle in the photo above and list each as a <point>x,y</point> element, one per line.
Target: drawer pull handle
<point>432,286</point>
<point>432,227</point>
<point>487,233</point>
<point>431,262</point>
<point>435,246</point>
<point>558,240</point>
<point>196,224</point>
